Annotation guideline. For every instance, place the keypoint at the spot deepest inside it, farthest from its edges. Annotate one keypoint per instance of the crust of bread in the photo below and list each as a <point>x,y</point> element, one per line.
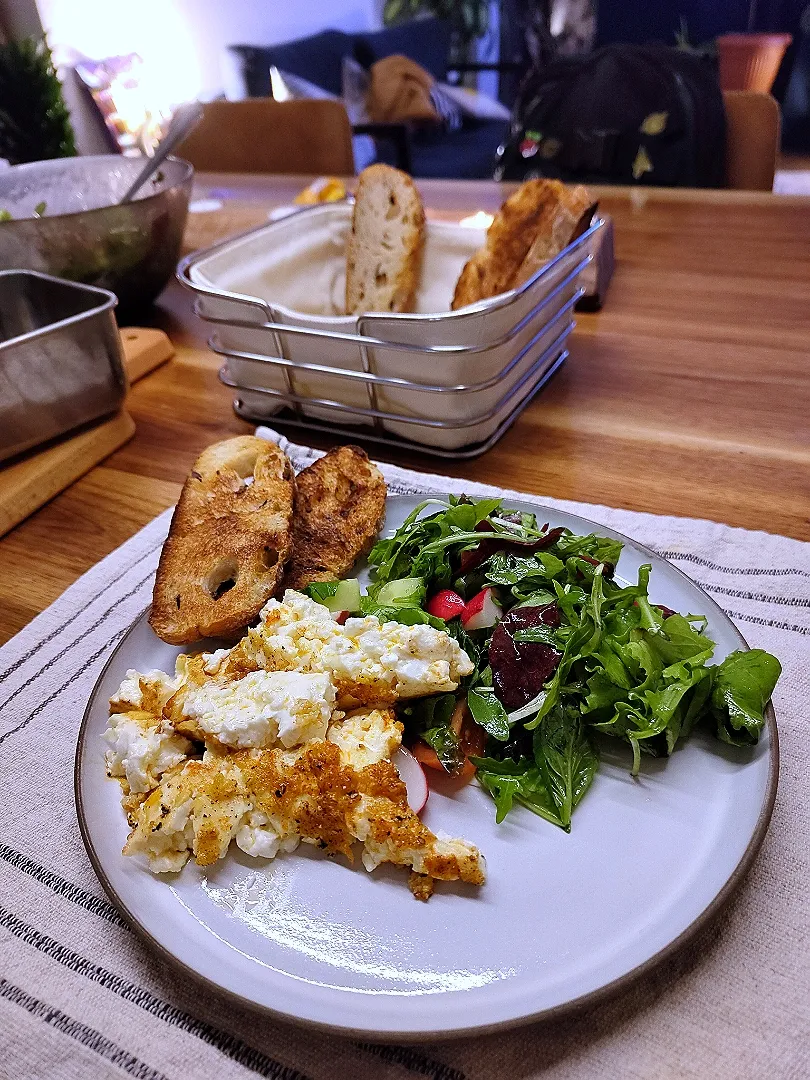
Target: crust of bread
<point>228,543</point>
<point>384,253</point>
<point>571,217</point>
<point>339,509</point>
<point>535,223</point>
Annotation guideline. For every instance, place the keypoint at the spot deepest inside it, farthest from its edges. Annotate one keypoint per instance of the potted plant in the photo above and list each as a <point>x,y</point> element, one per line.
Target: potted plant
<point>469,18</point>
<point>751,61</point>
<point>34,120</point>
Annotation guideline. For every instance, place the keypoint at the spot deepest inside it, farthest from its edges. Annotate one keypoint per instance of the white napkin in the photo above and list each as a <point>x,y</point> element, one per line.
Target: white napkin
<point>82,996</point>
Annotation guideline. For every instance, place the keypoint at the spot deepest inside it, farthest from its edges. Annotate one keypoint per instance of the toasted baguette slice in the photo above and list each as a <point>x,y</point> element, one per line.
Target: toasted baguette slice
<point>339,509</point>
<point>571,218</point>
<point>533,219</point>
<point>385,246</point>
<point>228,542</point>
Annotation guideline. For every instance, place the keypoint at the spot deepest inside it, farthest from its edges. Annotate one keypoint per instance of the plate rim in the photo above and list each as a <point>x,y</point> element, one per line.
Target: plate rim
<point>555,1012</point>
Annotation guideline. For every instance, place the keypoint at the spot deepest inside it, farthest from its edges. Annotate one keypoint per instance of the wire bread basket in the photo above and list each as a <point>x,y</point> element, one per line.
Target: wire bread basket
<point>439,381</point>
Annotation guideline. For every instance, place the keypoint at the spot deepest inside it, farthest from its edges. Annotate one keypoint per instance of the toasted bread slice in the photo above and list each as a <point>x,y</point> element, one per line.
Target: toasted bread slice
<point>539,218</point>
<point>470,285</point>
<point>339,508</point>
<point>228,542</point>
<point>570,219</point>
<point>385,246</point>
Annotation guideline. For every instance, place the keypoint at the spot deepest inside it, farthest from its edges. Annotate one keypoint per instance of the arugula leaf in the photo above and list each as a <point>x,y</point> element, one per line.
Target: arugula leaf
<point>540,598</point>
<point>506,568</point>
<point>610,660</point>
<point>680,640</point>
<point>743,685</point>
<point>566,759</point>
<point>467,643</point>
<point>423,713</point>
<point>510,781</point>
<point>547,635</point>
<point>601,548</point>
<point>445,742</point>
<point>489,713</point>
<point>603,693</point>
<point>698,704</point>
<point>570,599</point>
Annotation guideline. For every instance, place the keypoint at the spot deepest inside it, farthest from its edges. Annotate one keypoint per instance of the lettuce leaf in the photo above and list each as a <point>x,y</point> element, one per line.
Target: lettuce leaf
<point>743,685</point>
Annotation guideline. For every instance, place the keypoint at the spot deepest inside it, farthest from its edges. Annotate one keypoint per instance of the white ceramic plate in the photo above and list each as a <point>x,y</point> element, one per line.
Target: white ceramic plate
<point>561,918</point>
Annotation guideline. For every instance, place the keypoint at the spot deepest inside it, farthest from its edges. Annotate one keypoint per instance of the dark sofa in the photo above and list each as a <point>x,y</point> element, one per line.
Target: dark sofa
<point>464,154</point>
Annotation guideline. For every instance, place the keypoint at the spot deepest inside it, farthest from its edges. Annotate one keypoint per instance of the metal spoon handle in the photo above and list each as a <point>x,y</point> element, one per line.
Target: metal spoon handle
<point>184,120</point>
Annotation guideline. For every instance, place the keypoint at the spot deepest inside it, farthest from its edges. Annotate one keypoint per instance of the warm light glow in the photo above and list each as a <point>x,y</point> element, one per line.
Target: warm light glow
<point>278,88</point>
<point>479,220</point>
<point>157,31</point>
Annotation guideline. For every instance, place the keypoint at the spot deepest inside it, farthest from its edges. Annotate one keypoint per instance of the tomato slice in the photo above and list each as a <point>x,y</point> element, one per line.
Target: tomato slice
<point>471,740</point>
<point>426,755</point>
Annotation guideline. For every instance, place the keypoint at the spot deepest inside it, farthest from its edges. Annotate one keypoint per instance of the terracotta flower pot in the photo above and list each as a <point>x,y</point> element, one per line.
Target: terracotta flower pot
<point>750,61</point>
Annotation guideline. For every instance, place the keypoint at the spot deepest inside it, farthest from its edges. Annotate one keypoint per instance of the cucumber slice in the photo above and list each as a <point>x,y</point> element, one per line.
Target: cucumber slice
<point>346,598</point>
<point>404,592</point>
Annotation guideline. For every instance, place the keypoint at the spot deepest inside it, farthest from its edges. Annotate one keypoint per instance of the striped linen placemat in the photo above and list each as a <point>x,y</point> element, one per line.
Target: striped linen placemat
<point>82,996</point>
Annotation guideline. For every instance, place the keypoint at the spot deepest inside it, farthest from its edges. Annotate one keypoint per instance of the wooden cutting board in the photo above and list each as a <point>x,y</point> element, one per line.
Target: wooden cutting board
<point>32,480</point>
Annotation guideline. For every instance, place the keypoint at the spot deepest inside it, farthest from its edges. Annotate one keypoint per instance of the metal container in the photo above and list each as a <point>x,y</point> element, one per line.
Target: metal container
<point>83,236</point>
<point>61,360</point>
<point>449,382</point>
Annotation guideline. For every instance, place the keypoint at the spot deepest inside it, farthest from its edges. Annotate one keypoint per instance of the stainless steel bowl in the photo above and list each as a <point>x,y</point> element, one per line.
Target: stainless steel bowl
<point>131,250</point>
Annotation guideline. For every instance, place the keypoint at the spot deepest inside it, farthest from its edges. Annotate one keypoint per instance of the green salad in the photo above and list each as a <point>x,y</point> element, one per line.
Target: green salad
<point>565,654</point>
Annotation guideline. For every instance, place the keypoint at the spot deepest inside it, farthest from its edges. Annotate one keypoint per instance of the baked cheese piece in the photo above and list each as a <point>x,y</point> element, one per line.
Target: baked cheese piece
<point>264,744</point>
<point>368,661</point>
<point>328,792</point>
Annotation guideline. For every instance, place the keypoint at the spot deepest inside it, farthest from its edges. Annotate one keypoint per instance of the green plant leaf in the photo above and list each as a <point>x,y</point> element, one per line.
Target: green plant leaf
<point>509,781</point>
<point>566,759</point>
<point>743,685</point>
<point>489,713</point>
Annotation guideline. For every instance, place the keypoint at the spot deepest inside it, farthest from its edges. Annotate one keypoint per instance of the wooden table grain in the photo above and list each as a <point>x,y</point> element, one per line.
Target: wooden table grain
<point>688,394</point>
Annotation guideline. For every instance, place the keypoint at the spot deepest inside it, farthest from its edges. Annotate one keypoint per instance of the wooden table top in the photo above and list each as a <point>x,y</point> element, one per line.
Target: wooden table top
<point>689,394</point>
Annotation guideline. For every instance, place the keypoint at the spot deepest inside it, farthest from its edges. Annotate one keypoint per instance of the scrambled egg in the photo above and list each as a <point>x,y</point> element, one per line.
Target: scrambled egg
<point>366,737</point>
<point>271,800</point>
<point>141,750</point>
<point>368,661</point>
<point>252,744</point>
<point>261,708</point>
<point>142,745</point>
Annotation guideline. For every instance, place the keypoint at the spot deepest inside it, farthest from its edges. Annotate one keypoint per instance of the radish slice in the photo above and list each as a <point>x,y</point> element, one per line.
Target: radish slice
<point>411,774</point>
<point>446,605</point>
<point>482,611</point>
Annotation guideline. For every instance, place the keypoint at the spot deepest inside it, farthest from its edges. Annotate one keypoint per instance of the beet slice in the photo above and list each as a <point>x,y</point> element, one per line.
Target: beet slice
<point>519,670</point>
<point>475,556</point>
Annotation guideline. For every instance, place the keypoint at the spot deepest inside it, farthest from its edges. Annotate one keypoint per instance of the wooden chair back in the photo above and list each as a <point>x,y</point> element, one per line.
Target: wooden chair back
<point>260,135</point>
<point>753,125</point>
